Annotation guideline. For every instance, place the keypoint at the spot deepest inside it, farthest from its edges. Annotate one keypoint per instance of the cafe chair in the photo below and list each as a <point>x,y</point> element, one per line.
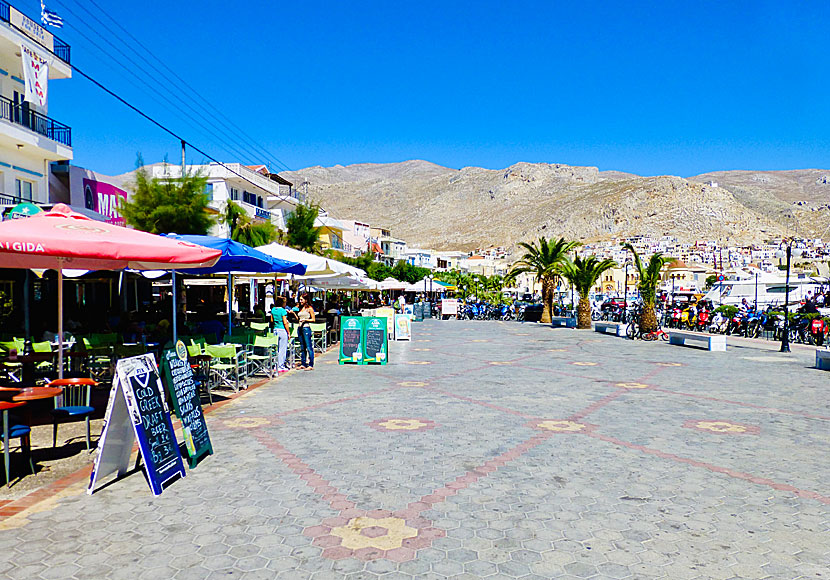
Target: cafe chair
<point>12,430</point>
<point>261,328</point>
<point>224,366</point>
<point>75,406</point>
<point>318,336</point>
<point>12,370</point>
<point>262,359</point>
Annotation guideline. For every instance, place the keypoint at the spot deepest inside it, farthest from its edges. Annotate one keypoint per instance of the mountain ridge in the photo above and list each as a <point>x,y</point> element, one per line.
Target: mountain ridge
<point>429,205</point>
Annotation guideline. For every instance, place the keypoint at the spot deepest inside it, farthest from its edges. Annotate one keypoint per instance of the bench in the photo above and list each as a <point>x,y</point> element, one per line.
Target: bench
<point>823,360</point>
<point>713,342</point>
<point>615,328</point>
<point>563,322</point>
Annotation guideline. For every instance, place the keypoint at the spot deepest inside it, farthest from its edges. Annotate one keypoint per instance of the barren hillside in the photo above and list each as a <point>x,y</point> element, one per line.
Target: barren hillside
<point>439,207</point>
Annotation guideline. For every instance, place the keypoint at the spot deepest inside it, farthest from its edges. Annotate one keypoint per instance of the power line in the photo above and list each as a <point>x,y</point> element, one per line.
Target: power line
<point>137,110</point>
<point>219,115</point>
<point>229,147</point>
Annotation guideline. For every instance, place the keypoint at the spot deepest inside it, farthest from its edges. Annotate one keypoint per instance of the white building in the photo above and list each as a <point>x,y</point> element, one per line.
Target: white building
<point>262,195</point>
<point>29,139</point>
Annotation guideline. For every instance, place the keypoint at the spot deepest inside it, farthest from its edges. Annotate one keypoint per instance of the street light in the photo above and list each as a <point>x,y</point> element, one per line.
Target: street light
<point>786,249</point>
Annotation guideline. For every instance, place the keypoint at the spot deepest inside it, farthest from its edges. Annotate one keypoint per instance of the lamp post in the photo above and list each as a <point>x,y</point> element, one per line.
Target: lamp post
<point>625,294</point>
<point>786,250</point>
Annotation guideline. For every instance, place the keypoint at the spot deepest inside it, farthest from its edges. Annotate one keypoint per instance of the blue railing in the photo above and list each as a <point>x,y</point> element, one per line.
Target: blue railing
<point>61,49</point>
<point>36,122</point>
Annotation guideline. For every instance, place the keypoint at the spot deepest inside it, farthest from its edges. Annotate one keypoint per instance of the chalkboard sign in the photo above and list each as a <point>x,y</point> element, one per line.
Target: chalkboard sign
<point>186,403</point>
<point>140,391</point>
<point>375,343</point>
<point>403,328</point>
<point>351,339</point>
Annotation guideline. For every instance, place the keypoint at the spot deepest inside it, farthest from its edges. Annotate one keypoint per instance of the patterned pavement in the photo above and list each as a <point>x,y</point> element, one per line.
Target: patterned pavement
<point>483,450</point>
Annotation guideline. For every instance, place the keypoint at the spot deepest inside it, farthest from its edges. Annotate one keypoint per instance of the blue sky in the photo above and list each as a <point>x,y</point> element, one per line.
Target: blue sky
<point>651,88</point>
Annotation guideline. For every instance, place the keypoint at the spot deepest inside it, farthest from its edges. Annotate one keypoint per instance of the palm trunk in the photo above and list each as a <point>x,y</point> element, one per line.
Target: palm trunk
<point>583,313</point>
<point>547,300</point>
<point>648,319</point>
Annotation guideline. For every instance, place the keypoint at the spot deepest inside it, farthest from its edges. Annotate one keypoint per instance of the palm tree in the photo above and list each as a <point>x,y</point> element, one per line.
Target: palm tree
<point>583,275</point>
<point>245,230</point>
<point>649,279</point>
<point>543,261</point>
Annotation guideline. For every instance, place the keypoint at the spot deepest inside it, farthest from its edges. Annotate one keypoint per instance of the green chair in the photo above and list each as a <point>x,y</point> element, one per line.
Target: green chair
<point>224,366</point>
<point>12,369</point>
<point>261,328</point>
<point>318,336</point>
<point>262,359</point>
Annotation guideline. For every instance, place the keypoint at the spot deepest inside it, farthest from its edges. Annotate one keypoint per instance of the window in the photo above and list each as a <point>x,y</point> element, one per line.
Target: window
<point>23,189</point>
<point>234,194</point>
<point>209,191</point>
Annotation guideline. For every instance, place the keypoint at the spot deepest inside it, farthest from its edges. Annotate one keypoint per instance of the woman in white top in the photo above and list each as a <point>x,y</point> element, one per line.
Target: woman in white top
<point>306,316</point>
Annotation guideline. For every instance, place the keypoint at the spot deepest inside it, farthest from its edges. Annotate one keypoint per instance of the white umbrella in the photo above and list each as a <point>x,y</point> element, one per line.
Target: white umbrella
<point>315,265</point>
<point>392,284</point>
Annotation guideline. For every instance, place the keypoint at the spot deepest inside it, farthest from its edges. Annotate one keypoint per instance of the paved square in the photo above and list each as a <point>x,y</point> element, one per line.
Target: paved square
<point>483,450</point>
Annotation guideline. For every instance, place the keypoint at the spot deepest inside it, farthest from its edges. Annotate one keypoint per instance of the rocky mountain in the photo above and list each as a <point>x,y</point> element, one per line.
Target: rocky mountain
<point>442,208</point>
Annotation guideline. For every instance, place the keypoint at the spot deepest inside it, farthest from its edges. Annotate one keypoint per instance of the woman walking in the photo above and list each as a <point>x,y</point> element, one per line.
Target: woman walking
<point>282,330</point>
<point>306,316</point>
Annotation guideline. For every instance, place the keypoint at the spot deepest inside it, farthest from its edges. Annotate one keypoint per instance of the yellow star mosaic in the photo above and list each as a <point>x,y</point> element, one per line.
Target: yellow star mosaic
<point>247,422</point>
<point>721,427</point>
<point>419,362</point>
<point>412,384</point>
<point>584,364</point>
<point>402,424</point>
<point>561,426</point>
<point>381,534</point>
<point>632,385</point>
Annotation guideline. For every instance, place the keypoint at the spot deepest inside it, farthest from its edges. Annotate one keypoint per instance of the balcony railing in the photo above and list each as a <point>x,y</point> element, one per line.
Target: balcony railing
<point>61,49</point>
<point>34,121</point>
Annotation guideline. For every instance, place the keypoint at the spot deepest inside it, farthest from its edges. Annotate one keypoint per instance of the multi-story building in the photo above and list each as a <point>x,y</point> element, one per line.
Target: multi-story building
<point>30,140</point>
<point>262,195</point>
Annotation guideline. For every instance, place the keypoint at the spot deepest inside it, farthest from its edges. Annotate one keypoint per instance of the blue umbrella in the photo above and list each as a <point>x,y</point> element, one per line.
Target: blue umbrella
<point>235,258</point>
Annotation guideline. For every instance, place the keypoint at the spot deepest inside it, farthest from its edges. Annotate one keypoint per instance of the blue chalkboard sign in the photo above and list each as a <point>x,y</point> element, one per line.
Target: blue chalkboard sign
<point>138,398</point>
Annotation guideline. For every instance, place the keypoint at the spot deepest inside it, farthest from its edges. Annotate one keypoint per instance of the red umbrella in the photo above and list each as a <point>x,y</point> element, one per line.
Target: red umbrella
<point>62,238</point>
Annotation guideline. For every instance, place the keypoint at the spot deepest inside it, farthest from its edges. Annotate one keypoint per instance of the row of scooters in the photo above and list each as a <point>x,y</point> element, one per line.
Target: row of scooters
<point>803,327</point>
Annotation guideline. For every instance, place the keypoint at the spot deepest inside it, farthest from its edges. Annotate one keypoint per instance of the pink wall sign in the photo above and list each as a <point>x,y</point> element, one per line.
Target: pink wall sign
<point>105,200</point>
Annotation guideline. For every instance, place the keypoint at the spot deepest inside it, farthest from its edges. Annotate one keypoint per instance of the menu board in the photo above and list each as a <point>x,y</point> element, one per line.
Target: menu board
<point>403,327</point>
<point>137,379</point>
<point>351,339</point>
<point>186,403</point>
<point>376,341</point>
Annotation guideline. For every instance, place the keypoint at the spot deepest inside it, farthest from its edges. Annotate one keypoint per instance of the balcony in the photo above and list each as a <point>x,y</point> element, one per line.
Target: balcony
<point>41,124</point>
<point>55,44</point>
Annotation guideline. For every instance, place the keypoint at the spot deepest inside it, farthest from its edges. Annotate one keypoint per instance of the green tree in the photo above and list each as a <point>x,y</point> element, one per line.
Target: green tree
<point>583,275</point>
<point>543,260</point>
<point>710,281</point>
<point>301,233</point>
<point>649,280</point>
<point>160,206</point>
<point>245,230</point>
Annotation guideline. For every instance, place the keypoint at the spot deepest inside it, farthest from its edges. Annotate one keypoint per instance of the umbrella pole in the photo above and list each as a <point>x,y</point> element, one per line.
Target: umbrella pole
<point>60,321</point>
<point>26,324</point>
<point>175,332</point>
<point>230,303</point>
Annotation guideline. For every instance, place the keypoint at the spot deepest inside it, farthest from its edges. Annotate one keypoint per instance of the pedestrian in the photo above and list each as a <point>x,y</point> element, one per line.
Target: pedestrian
<point>282,331</point>
<point>306,317</point>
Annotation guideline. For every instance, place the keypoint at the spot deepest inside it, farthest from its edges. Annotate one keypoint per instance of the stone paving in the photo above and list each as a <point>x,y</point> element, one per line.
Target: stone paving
<point>483,450</point>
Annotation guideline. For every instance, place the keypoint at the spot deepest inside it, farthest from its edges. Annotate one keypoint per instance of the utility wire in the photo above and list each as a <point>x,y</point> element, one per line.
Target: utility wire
<point>231,148</point>
<point>219,116</point>
<point>136,109</point>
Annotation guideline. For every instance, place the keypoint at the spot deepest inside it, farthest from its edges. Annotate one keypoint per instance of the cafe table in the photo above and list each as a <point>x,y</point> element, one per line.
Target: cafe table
<point>30,394</point>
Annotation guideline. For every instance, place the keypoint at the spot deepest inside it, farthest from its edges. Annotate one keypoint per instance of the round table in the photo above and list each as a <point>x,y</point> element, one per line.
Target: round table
<point>37,393</point>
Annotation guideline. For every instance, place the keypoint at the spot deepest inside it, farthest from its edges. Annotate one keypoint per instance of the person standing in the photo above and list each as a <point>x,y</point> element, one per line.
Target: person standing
<point>306,317</point>
<point>282,331</point>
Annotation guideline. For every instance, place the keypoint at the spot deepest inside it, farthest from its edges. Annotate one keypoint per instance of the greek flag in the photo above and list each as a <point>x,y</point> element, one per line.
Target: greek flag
<point>48,17</point>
